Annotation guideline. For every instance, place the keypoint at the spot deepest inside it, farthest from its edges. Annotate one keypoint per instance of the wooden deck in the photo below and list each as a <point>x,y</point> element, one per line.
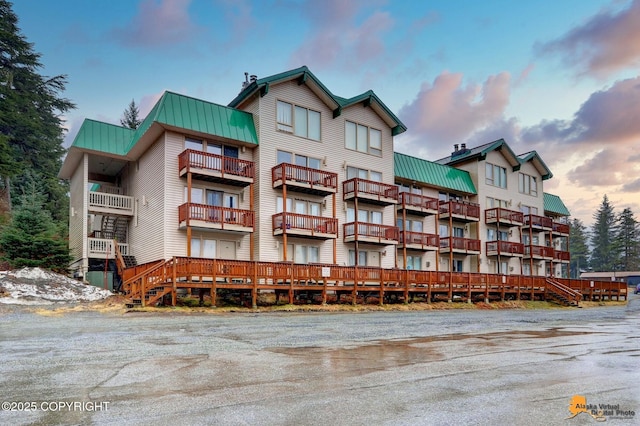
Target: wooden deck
<point>159,281</point>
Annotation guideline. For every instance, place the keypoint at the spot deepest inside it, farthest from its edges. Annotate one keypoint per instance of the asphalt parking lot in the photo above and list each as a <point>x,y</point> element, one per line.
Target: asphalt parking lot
<point>489,367</point>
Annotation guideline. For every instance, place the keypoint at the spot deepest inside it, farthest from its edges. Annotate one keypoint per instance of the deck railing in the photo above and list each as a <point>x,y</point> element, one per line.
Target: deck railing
<point>408,200</point>
<point>115,203</point>
<point>464,209</point>
<point>305,175</point>
<point>419,238</point>
<point>371,230</point>
<point>193,159</point>
<point>563,256</point>
<point>560,228</point>
<point>536,221</point>
<point>216,215</point>
<point>501,215</point>
<point>303,222</point>
<point>103,248</point>
<point>459,243</point>
<point>357,187</point>
<point>538,251</point>
<point>508,248</point>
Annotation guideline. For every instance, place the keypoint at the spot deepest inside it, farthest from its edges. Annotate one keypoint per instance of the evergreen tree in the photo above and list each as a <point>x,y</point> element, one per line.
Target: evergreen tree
<point>628,241</point>
<point>604,254</point>
<point>31,134</point>
<point>32,238</point>
<point>578,247</point>
<point>131,117</point>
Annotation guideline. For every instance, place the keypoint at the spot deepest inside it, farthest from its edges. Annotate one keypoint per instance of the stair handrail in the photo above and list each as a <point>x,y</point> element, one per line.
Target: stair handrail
<point>140,275</point>
<point>120,264</point>
<point>571,294</point>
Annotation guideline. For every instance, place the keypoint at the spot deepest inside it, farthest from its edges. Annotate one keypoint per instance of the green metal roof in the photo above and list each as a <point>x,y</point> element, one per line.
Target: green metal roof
<point>553,204</point>
<point>480,152</point>
<point>537,160</point>
<point>337,103</point>
<point>103,137</point>
<point>434,174</point>
<point>201,116</point>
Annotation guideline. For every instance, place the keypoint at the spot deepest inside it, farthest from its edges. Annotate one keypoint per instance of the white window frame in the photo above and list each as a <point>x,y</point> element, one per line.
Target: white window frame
<point>527,184</point>
<point>298,120</point>
<point>495,175</point>
<point>361,138</point>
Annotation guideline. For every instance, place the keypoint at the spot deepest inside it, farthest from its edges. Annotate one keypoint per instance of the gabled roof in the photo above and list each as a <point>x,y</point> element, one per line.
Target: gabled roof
<point>537,162</point>
<point>553,204</point>
<point>172,111</point>
<point>335,103</point>
<point>432,174</point>
<point>480,153</point>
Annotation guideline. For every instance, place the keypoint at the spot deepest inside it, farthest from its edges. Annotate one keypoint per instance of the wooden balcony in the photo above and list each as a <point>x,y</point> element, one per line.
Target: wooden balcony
<point>102,248</point>
<point>560,229</point>
<point>303,225</point>
<point>538,222</point>
<point>504,248</point>
<point>561,256</point>
<point>217,218</point>
<point>304,179</point>
<point>461,211</point>
<point>538,252</point>
<point>417,204</point>
<point>370,233</point>
<point>419,241</point>
<point>459,245</point>
<point>110,204</point>
<point>502,216</point>
<point>368,191</point>
<point>216,168</point>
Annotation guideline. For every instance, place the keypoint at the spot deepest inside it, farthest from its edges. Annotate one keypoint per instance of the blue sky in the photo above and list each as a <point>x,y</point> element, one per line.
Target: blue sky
<point>558,77</point>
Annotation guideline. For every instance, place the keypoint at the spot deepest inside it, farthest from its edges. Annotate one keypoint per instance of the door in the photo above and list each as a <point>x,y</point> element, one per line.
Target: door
<point>228,250</point>
<point>373,258</point>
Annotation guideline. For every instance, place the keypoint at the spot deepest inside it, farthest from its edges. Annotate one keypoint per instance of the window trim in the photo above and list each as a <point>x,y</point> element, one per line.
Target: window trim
<point>369,149</point>
<point>490,178</point>
<point>289,126</point>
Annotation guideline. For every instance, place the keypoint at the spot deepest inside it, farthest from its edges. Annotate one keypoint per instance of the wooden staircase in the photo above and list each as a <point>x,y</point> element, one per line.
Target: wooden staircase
<point>150,285</point>
<point>561,294</point>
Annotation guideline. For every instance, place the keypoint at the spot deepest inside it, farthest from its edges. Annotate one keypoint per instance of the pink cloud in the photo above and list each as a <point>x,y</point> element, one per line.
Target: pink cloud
<point>162,23</point>
<point>604,44</point>
<point>448,112</point>
<point>147,102</point>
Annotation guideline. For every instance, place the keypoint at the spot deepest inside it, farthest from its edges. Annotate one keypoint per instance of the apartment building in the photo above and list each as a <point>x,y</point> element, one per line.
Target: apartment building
<point>288,171</point>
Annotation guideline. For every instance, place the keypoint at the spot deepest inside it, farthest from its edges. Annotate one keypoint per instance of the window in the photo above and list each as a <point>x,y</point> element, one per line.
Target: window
<point>194,144</point>
<point>501,235</point>
<point>413,262</point>
<point>367,216</point>
<point>210,147</point>
<point>411,189</point>
<point>298,253</point>
<point>529,210</point>
<point>495,175</point>
<point>411,225</point>
<point>212,197</point>
<point>297,159</point>
<point>458,232</point>
<point>443,231</point>
<point>363,139</point>
<point>457,265</point>
<point>527,184</point>
<point>362,258</point>
<point>298,120</point>
<point>354,172</point>
<point>495,202</point>
<point>203,248</point>
<point>299,206</point>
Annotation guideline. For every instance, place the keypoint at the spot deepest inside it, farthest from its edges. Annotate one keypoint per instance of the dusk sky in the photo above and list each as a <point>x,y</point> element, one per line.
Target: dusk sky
<point>559,77</point>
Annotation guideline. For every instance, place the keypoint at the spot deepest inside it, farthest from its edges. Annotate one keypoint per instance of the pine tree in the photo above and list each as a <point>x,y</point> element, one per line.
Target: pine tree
<point>578,247</point>
<point>604,254</point>
<point>32,238</point>
<point>131,117</point>
<point>31,133</point>
<point>628,242</point>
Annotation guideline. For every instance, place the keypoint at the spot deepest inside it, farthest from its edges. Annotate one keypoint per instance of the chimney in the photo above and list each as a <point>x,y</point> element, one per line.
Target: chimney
<point>463,146</point>
<point>253,78</point>
<point>455,147</point>
<point>245,83</point>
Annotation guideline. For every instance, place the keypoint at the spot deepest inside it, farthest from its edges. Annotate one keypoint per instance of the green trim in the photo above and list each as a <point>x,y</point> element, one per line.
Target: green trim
<point>534,156</point>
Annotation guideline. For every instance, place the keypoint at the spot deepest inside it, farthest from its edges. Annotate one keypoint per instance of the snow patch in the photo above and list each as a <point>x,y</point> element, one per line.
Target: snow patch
<point>32,286</point>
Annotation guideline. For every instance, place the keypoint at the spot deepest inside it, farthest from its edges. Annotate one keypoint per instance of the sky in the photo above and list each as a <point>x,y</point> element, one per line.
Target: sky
<point>558,77</point>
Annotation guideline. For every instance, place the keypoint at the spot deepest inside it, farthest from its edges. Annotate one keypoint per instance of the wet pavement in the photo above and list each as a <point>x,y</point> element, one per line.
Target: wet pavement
<point>516,367</point>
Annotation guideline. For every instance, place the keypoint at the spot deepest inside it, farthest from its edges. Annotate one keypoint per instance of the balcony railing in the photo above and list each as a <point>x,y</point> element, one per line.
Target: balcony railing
<point>370,232</point>
<point>504,248</point>
<point>419,240</point>
<point>539,222</point>
<point>459,244</point>
<point>538,252</point>
<point>417,203</point>
<point>370,191</point>
<point>214,217</point>
<point>560,228</point>
<point>102,202</point>
<point>102,248</point>
<point>504,216</point>
<point>306,225</point>
<point>561,256</point>
<point>461,210</point>
<point>304,179</point>
<point>216,167</point>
